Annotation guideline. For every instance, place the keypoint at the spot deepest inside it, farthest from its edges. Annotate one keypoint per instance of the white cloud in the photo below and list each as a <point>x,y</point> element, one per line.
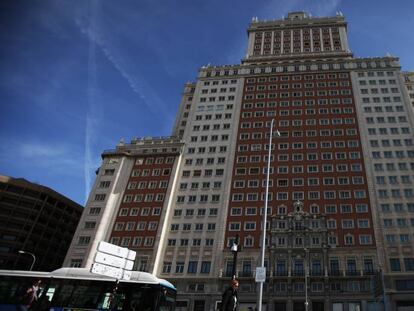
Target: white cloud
<point>36,150</point>
<point>326,7</point>
<point>59,158</point>
<point>104,38</point>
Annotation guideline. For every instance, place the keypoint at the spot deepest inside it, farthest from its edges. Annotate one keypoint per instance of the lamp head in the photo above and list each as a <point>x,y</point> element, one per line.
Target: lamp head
<point>234,247</point>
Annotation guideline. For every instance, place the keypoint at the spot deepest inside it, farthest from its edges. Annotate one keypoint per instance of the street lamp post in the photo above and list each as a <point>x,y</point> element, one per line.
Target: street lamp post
<point>234,249</point>
<point>384,295</point>
<point>259,307</point>
<point>31,254</point>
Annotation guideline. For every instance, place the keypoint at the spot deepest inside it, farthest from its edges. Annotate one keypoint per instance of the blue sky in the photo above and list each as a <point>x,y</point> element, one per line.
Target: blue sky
<point>78,75</point>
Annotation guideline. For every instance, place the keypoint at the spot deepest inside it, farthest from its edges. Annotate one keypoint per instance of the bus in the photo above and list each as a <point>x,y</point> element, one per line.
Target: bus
<point>79,289</point>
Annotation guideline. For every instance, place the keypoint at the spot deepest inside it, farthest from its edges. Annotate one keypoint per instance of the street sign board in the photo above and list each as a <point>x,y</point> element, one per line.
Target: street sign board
<point>112,249</point>
<point>113,261</point>
<point>112,272</point>
<point>260,274</point>
<point>110,260</point>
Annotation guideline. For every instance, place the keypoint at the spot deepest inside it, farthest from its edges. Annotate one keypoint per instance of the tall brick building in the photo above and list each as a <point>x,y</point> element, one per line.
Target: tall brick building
<point>341,201</point>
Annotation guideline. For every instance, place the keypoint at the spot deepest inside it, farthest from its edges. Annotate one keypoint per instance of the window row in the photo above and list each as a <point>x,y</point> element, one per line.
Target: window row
<point>298,122</point>
<point>313,181</point>
<point>153,184</point>
<point>150,172</point>
<point>192,226</point>
<point>295,85</point>
<point>217,116</point>
<point>398,208</point>
<point>347,239</point>
<point>349,223</point>
<point>330,208</point>
<point>199,212</point>
<point>398,222</point>
<point>135,241</point>
<point>208,161</point>
<point>391,130</point>
<point>300,169</point>
<point>390,167</point>
<point>309,195</point>
<point>192,267</point>
<point>388,143</point>
<point>216,107</point>
<point>296,134</point>
<point>395,264</point>
<point>393,179</point>
<point>148,197</point>
<point>376,82</point>
<point>391,119</point>
<point>395,193</point>
<point>326,156</point>
<point>398,238</point>
<point>383,90</point>
<point>308,77</point>
<point>139,226</point>
<point>204,138</point>
<point>375,73</point>
<point>203,198</point>
<point>158,160</point>
<point>202,185</point>
<point>211,149</point>
<point>213,98</point>
<point>301,145</point>
<point>204,173</point>
<point>285,94</point>
<point>216,82</point>
<point>386,99</point>
<point>297,103</point>
<point>206,127</point>
<point>296,112</point>
<point>188,242</point>
<point>215,90</point>
<point>137,211</point>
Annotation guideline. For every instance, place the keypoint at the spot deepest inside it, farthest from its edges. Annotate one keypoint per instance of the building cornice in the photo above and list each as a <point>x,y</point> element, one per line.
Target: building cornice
<point>295,66</point>
<point>167,145</point>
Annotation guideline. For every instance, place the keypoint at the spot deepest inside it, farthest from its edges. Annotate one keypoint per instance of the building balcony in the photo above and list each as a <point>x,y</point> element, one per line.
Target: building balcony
<point>316,273</point>
<point>228,273</point>
<point>298,273</point>
<point>369,272</point>
<point>280,273</point>
<point>335,272</point>
<point>245,274</point>
<point>352,272</point>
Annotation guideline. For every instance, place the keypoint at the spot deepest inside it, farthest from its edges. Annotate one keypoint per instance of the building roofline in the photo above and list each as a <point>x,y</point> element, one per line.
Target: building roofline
<point>22,182</point>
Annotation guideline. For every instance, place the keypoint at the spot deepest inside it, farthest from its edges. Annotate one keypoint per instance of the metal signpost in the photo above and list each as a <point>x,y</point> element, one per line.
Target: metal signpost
<point>262,270</point>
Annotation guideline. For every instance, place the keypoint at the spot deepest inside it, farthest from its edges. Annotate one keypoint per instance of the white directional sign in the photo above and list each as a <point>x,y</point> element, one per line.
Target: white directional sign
<point>260,274</point>
<point>113,261</point>
<point>115,250</point>
<point>112,272</point>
